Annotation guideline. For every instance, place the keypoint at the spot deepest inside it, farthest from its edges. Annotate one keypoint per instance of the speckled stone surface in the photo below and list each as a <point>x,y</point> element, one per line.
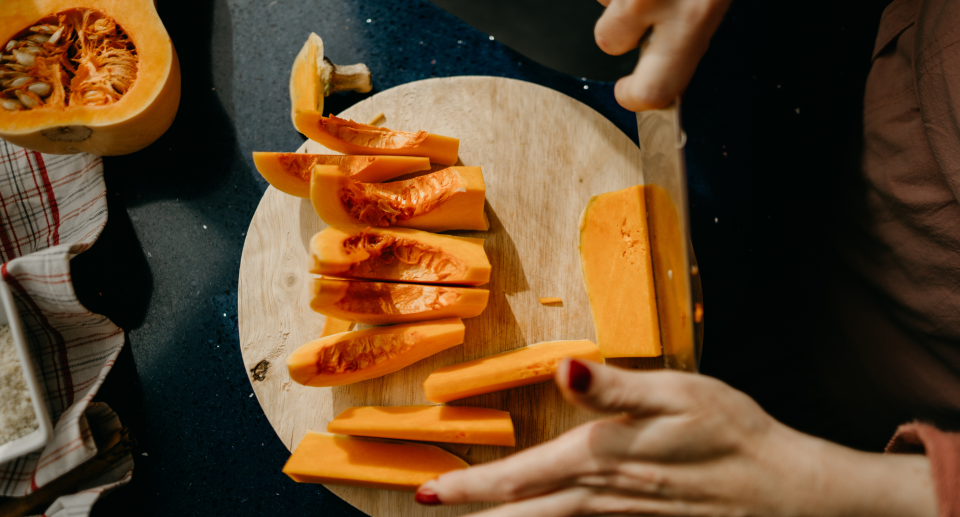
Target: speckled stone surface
<point>766,115</point>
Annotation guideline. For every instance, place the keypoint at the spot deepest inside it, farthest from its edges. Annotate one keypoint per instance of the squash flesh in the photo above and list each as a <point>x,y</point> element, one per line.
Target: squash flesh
<point>449,199</point>
<point>449,424</point>
<point>521,367</point>
<point>290,172</point>
<point>617,270</point>
<point>399,255</point>
<point>344,460</point>
<point>360,355</point>
<point>143,113</point>
<point>380,303</point>
<point>349,137</point>
<point>333,326</point>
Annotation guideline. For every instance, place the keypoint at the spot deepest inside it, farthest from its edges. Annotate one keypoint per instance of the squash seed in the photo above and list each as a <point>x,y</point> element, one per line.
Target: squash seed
<point>11,104</point>
<point>45,28</point>
<point>10,45</point>
<point>27,99</point>
<point>41,89</point>
<point>23,58</point>
<point>38,38</point>
<point>55,37</point>
<point>17,82</point>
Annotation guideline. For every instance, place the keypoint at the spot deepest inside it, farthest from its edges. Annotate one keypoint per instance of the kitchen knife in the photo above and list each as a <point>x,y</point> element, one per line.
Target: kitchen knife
<point>676,277</point>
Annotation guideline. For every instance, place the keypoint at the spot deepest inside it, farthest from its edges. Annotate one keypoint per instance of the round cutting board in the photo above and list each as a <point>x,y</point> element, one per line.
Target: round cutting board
<point>543,155</point>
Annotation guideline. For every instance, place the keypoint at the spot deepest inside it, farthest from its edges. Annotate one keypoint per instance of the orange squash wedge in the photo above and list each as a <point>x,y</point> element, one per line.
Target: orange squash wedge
<point>398,255</point>
<point>333,326</point>
<point>450,424</point>
<point>528,365</point>
<point>360,355</point>
<point>349,137</point>
<point>449,199</point>
<point>616,264</point>
<point>95,76</point>
<point>290,172</point>
<point>369,463</point>
<point>314,77</point>
<point>381,303</point>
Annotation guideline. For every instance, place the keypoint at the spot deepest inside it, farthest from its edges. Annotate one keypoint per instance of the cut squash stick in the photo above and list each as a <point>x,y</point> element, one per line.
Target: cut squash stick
<point>452,424</point>
<point>382,303</point>
<point>359,355</point>
<point>617,271</point>
<point>448,199</point>
<point>349,137</point>
<point>369,463</point>
<point>398,255</point>
<point>290,172</point>
<point>528,365</point>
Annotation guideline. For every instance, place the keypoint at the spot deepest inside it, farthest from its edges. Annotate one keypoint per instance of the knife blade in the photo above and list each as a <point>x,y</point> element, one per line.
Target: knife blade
<point>675,274</point>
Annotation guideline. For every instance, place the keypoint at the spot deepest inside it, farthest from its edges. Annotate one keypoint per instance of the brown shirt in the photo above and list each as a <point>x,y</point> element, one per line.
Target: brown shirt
<point>903,317</point>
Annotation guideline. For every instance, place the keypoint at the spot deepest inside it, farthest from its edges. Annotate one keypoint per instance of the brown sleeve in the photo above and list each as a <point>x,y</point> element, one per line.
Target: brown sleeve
<point>943,450</point>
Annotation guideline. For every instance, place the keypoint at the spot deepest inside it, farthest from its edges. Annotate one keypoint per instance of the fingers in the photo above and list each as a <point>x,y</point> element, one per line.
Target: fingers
<point>621,25</point>
<point>535,471</point>
<point>585,501</point>
<point>605,388</point>
<point>565,503</point>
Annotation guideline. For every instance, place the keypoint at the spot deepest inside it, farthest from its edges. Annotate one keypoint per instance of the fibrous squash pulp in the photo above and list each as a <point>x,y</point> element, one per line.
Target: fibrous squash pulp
<point>101,77</point>
<point>359,355</point>
<point>528,365</point>
<point>449,199</point>
<point>615,260</point>
<point>453,424</point>
<point>369,463</point>
<point>349,137</point>
<point>290,172</point>
<point>398,255</point>
<point>382,303</point>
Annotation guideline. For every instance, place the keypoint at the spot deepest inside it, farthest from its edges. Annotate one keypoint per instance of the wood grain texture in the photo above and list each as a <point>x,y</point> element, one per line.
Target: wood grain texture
<point>543,155</point>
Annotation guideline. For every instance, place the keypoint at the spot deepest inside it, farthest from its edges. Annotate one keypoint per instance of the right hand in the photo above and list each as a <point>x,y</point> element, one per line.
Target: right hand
<point>681,34</point>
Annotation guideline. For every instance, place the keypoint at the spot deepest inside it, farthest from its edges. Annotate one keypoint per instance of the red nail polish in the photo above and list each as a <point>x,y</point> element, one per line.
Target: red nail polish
<point>427,497</point>
<point>580,377</point>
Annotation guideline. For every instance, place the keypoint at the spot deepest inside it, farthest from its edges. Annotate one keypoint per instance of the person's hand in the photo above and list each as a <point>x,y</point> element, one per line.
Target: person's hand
<point>687,445</point>
<point>681,33</point>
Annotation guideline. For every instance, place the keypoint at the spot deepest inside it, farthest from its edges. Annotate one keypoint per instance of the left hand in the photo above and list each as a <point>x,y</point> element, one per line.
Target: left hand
<point>687,445</point>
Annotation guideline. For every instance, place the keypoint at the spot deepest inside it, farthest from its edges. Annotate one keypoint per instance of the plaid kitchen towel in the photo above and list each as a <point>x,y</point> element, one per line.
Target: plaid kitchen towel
<point>53,207</point>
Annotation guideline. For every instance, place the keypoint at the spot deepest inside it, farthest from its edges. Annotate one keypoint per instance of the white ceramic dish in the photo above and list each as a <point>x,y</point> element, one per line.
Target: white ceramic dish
<point>44,432</point>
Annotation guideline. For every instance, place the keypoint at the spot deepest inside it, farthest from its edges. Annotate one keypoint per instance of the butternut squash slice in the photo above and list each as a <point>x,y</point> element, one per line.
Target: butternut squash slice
<point>290,172</point>
<point>398,255</point>
<point>381,303</point>
<point>528,365</point>
<point>333,326</point>
<point>95,76</point>
<point>451,424</point>
<point>369,463</point>
<point>349,137</point>
<point>449,199</point>
<point>314,77</point>
<point>617,271</point>
<point>360,355</point>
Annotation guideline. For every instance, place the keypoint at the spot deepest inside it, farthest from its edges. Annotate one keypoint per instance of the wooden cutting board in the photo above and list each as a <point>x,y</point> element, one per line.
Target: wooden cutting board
<point>543,155</point>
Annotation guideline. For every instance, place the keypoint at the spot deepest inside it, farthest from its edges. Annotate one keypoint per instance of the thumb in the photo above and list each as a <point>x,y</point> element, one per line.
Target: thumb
<point>638,393</point>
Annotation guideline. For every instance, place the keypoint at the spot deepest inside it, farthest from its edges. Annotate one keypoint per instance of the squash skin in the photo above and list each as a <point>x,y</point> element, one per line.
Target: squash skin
<point>316,127</point>
<point>448,424</point>
<point>460,204</point>
<point>290,172</point>
<point>140,117</point>
<point>381,303</point>
<point>351,352</point>
<point>615,258</point>
<point>369,463</point>
<point>527,365</point>
<point>456,260</point>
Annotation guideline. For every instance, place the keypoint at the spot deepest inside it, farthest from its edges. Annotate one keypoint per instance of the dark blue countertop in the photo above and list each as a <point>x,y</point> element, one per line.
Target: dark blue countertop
<point>767,116</point>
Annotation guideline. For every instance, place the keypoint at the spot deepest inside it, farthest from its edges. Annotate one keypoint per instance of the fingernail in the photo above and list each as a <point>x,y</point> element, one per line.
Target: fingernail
<point>427,497</point>
<point>580,377</point>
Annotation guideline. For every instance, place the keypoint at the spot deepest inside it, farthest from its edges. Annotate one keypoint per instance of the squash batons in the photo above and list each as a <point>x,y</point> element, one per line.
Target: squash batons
<point>528,365</point>
<point>290,172</point>
<point>398,255</point>
<point>381,303</point>
<point>119,100</point>
<point>344,460</point>
<point>356,356</point>
<point>615,260</point>
<point>349,137</point>
<point>449,199</point>
<point>451,424</point>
